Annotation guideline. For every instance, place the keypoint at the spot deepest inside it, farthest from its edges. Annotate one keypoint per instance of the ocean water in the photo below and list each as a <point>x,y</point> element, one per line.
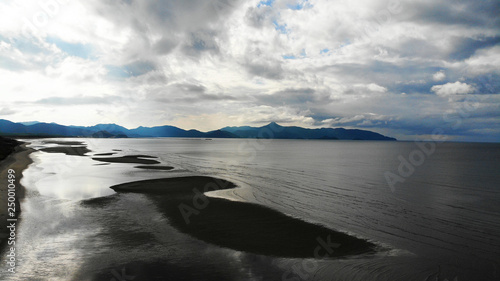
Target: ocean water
<point>438,220</point>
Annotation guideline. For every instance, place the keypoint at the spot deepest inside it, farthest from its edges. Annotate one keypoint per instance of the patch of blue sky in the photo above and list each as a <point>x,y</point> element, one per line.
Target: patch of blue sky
<point>117,71</point>
<point>25,45</point>
<point>345,43</point>
<point>266,3</point>
<point>10,64</point>
<point>302,55</point>
<point>300,5</point>
<point>73,49</point>
<point>130,70</point>
<point>259,82</point>
<point>324,51</point>
<point>280,27</point>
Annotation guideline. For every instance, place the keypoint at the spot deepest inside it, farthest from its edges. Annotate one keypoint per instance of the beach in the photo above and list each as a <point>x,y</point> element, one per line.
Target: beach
<point>18,160</point>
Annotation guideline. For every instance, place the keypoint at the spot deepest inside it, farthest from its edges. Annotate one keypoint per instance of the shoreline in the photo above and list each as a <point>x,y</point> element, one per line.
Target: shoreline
<point>18,160</point>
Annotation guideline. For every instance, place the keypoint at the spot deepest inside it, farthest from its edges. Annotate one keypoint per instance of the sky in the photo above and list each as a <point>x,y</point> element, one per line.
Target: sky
<point>406,69</point>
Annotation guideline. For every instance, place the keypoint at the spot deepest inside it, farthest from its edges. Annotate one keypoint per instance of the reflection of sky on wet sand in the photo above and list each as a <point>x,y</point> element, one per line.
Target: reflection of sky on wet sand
<point>79,177</point>
<point>71,177</point>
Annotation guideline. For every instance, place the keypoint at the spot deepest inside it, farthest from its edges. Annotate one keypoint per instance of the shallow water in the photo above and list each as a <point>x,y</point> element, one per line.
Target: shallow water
<point>442,222</point>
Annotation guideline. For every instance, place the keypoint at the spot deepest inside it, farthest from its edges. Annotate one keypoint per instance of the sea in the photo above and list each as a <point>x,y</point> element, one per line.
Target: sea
<point>432,208</point>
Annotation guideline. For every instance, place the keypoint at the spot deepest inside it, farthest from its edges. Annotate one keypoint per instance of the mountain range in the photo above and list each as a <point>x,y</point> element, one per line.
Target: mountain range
<point>270,131</point>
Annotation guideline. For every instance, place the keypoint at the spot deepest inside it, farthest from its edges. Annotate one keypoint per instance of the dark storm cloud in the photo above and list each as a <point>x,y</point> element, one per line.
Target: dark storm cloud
<point>159,26</point>
<point>418,48</point>
<point>464,47</point>
<point>200,42</point>
<point>408,77</point>
<point>486,83</point>
<point>164,45</point>
<point>267,69</point>
<point>461,48</point>
<point>466,13</point>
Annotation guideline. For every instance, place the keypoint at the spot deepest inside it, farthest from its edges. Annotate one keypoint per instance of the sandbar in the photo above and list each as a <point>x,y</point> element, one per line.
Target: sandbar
<point>68,150</point>
<point>164,168</point>
<point>105,154</point>
<point>127,159</point>
<point>242,226</point>
<point>64,142</point>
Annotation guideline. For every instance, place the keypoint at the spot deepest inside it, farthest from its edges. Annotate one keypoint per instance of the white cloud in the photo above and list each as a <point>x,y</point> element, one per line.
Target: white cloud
<point>439,76</point>
<point>376,88</point>
<point>451,89</point>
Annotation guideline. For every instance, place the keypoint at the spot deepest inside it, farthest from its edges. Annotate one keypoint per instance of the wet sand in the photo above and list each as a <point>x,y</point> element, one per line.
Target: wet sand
<point>239,225</point>
<point>18,161</point>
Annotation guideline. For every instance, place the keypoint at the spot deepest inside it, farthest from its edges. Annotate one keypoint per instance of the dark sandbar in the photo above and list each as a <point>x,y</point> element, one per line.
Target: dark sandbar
<point>241,226</point>
<point>105,154</point>
<point>128,159</point>
<point>68,150</point>
<point>65,142</point>
<point>164,168</point>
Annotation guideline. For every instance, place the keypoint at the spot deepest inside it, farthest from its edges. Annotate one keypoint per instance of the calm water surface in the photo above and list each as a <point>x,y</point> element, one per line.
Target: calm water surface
<point>442,222</point>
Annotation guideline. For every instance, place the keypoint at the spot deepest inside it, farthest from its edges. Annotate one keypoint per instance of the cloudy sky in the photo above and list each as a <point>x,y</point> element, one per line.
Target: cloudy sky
<point>401,68</point>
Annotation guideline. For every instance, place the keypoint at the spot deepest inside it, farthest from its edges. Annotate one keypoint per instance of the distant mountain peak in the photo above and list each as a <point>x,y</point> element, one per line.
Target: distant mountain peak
<point>273,124</point>
<point>29,123</point>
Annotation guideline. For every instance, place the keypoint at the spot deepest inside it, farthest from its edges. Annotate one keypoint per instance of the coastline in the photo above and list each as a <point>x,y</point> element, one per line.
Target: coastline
<point>18,160</point>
